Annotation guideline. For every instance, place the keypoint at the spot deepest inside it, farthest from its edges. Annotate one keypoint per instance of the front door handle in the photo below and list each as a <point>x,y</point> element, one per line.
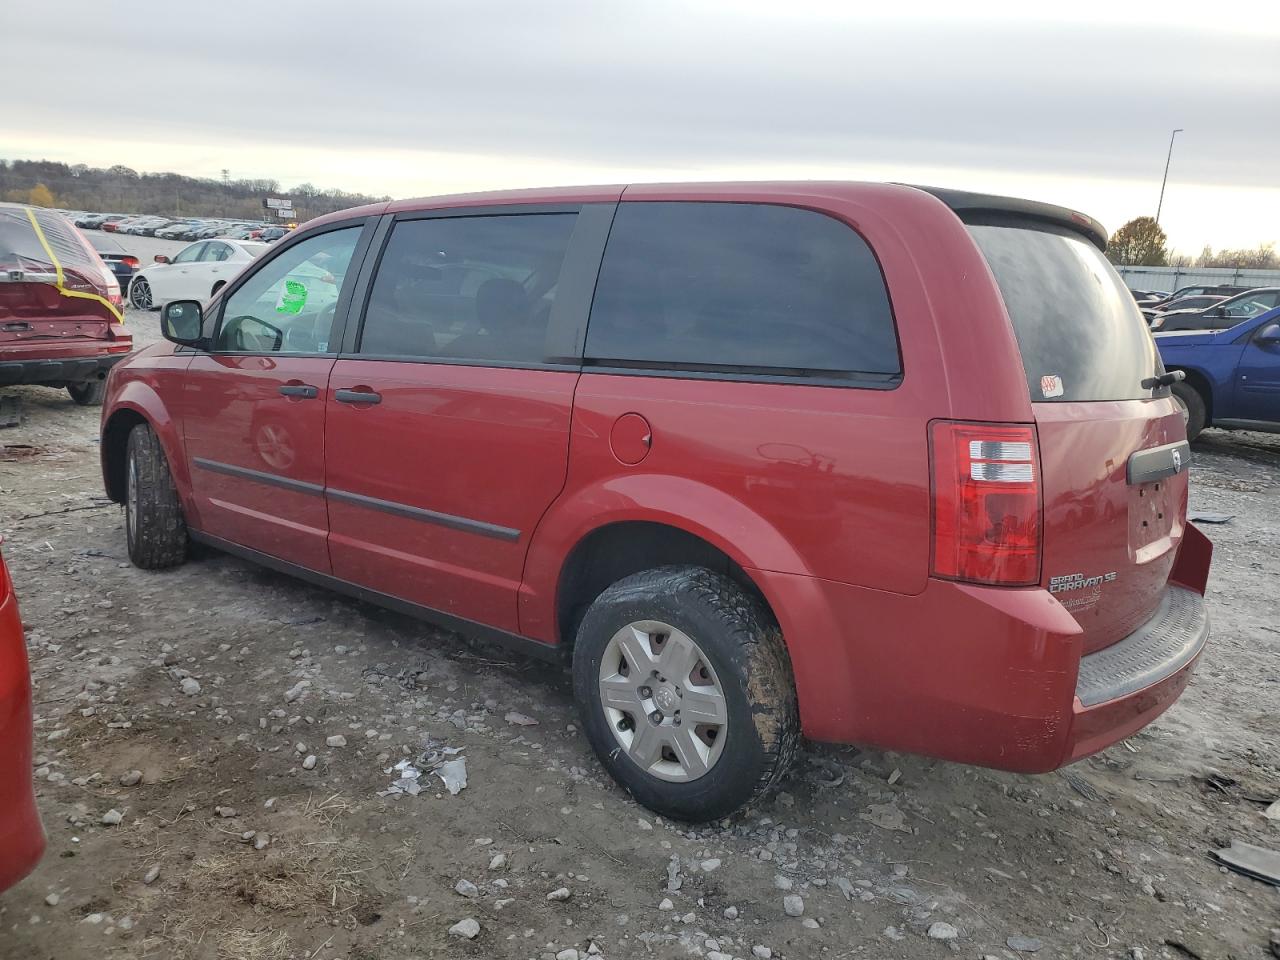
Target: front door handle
<point>358,396</point>
<point>304,390</point>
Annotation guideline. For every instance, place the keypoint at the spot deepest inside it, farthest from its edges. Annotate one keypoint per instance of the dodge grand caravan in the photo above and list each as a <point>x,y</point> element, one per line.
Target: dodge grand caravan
<point>864,463</point>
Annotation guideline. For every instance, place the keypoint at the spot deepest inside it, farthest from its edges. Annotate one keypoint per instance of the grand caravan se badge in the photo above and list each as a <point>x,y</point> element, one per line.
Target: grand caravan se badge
<point>1078,581</point>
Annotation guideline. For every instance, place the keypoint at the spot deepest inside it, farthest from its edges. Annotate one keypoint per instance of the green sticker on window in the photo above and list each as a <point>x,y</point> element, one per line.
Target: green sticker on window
<point>292,298</point>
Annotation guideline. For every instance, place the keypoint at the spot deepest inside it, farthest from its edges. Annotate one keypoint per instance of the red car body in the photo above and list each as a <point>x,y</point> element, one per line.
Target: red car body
<point>826,500</point>
<point>21,834</point>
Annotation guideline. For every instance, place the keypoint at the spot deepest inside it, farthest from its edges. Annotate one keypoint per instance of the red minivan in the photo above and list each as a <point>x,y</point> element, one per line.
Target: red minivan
<point>61,320</point>
<point>869,463</point>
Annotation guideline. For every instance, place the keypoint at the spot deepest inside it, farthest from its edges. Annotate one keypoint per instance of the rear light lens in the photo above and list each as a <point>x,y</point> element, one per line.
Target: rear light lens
<point>986,503</point>
<point>130,262</point>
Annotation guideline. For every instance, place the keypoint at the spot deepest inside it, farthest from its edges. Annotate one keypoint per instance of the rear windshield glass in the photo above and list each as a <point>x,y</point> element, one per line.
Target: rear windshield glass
<point>1081,335</point>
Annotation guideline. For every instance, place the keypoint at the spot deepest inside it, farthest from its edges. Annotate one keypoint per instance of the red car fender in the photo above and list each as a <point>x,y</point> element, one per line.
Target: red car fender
<point>141,398</point>
<point>746,537</point>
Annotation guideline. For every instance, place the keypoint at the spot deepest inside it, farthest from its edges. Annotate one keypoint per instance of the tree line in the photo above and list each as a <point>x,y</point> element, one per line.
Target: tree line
<point>1142,243</point>
<point>120,189</point>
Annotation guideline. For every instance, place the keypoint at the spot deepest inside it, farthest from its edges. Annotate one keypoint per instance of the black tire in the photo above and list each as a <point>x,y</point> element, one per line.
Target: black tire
<point>87,393</point>
<point>140,294</point>
<point>745,649</point>
<point>154,525</point>
<point>1193,405</point>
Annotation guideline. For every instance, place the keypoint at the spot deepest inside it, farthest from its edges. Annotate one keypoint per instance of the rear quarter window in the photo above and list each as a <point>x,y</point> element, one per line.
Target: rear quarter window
<point>740,287</point>
<point>1080,333</point>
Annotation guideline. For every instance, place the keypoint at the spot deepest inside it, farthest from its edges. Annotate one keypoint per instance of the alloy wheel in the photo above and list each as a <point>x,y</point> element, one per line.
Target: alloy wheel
<point>140,294</point>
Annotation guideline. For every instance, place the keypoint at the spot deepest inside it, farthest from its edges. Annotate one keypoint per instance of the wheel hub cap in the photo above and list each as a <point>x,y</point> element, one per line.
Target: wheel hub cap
<point>663,701</point>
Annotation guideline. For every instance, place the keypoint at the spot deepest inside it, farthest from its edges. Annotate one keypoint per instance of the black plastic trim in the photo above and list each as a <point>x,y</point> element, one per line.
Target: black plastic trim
<point>1003,211</point>
<point>465,524</point>
<point>68,370</point>
<point>271,479</point>
<point>1156,463</point>
<point>1170,639</point>
<point>824,378</point>
<point>514,641</point>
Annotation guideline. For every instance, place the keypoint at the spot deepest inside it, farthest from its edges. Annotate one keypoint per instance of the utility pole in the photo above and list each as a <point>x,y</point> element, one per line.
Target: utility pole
<point>1167,160</point>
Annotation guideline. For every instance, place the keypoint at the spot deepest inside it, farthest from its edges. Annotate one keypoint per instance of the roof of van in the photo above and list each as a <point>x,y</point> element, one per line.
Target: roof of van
<point>978,207</point>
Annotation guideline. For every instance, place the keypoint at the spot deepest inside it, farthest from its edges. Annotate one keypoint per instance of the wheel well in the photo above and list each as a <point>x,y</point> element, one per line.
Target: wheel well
<point>115,448</point>
<point>612,552</point>
<point>1200,383</point>
<point>217,286</point>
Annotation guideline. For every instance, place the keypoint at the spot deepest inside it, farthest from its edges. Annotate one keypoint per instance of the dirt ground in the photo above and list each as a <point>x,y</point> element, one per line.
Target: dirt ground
<point>249,837</point>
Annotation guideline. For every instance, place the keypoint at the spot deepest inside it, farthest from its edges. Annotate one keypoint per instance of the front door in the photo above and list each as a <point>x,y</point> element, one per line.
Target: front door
<point>447,430</point>
<point>254,404</point>
<point>1258,376</point>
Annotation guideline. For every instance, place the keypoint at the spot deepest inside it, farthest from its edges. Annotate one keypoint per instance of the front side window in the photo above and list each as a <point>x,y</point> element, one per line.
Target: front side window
<point>288,305</point>
<point>189,254</point>
<point>467,288</point>
<point>741,287</point>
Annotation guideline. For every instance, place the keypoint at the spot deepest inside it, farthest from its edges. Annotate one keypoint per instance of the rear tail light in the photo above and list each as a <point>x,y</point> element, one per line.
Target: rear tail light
<point>130,262</point>
<point>986,503</point>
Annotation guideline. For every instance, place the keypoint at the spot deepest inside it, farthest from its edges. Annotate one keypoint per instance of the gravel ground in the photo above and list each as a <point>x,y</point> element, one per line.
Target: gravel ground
<point>215,746</point>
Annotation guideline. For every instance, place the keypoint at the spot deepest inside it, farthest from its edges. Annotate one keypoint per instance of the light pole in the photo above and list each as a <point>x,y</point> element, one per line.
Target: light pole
<point>1167,161</point>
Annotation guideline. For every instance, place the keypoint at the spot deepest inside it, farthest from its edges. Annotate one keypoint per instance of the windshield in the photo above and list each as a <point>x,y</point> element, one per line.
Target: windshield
<point>1080,333</point>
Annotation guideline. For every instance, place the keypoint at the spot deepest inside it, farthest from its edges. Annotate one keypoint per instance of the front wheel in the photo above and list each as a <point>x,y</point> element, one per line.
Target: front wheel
<point>154,525</point>
<point>87,393</point>
<point>1192,406</point>
<point>140,293</point>
<point>685,691</point>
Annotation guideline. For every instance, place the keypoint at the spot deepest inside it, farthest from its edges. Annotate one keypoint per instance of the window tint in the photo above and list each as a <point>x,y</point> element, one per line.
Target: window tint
<point>214,252</point>
<point>288,305</point>
<point>1080,334</point>
<point>467,288</point>
<point>734,285</point>
<point>188,254</point>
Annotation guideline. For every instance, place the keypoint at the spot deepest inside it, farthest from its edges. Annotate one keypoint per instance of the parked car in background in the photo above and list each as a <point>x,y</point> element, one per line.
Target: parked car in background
<point>1222,315</point>
<point>118,260</point>
<point>960,535</point>
<point>1182,303</point>
<point>272,234</point>
<point>113,223</point>
<point>22,839</point>
<point>60,319</point>
<point>1141,296</point>
<point>181,230</point>
<point>1232,376</point>
<point>196,272</point>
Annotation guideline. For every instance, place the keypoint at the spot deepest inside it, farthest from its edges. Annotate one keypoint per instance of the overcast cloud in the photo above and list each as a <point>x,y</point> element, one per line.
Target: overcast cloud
<point>264,88</point>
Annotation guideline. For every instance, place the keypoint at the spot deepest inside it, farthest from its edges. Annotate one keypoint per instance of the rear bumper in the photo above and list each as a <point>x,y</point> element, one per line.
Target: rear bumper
<point>982,675</point>
<point>21,834</point>
<point>62,369</point>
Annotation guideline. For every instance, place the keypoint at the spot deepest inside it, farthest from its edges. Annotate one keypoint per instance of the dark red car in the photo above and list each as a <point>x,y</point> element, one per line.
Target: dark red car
<point>61,320</point>
<point>21,834</point>
<point>871,463</point>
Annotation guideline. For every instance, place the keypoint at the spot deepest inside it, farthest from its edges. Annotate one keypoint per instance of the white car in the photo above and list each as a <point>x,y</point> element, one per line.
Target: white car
<point>195,273</point>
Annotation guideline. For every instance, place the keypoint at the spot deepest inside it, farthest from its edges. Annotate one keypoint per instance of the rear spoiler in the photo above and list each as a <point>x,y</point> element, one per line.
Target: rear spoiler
<point>989,209</point>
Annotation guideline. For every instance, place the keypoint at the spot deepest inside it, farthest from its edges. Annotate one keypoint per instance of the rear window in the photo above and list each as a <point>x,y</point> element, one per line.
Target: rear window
<point>1080,333</point>
<point>740,287</point>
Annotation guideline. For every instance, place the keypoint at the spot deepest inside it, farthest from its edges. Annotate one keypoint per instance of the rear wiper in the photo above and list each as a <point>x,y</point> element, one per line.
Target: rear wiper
<point>1164,380</point>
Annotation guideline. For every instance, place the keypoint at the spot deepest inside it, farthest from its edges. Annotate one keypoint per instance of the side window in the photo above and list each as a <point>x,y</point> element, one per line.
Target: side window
<point>734,286</point>
<point>188,254</point>
<point>214,252</point>
<point>468,288</point>
<point>287,306</point>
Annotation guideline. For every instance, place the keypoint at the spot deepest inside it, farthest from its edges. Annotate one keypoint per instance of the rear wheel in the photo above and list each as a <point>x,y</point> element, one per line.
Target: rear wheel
<point>154,525</point>
<point>685,691</point>
<point>87,393</point>
<point>1191,403</point>
<point>140,293</point>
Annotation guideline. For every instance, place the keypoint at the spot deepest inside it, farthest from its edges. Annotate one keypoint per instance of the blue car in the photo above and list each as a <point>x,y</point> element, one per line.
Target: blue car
<point>1233,375</point>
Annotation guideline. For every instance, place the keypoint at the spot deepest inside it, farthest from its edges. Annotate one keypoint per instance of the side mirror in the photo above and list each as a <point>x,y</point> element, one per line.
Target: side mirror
<point>161,258</point>
<point>182,322</point>
<point>1219,311</point>
<point>1269,334</point>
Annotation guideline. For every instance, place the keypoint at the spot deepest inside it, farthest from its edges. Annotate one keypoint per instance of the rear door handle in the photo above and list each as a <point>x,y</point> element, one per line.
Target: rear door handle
<point>364,395</point>
<point>304,390</point>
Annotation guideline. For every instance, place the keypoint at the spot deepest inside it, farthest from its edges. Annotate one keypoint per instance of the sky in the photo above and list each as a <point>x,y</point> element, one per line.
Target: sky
<point>1072,105</point>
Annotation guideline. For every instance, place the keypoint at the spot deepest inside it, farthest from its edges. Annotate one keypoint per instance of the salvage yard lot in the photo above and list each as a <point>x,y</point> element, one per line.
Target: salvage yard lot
<point>220,682</point>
